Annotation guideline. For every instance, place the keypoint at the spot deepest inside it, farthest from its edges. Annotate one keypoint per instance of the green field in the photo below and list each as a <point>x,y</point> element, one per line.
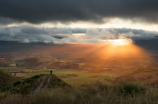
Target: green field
<point>83,77</point>
<point>75,77</point>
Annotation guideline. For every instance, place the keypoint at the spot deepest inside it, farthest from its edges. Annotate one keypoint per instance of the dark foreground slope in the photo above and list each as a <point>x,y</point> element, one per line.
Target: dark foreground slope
<point>6,80</point>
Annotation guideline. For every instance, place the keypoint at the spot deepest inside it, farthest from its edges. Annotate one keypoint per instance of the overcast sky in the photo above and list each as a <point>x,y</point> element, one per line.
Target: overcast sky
<point>77,21</point>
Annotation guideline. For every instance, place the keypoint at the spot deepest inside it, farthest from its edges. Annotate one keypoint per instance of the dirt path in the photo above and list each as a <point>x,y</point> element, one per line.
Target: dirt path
<point>48,81</point>
<point>44,83</point>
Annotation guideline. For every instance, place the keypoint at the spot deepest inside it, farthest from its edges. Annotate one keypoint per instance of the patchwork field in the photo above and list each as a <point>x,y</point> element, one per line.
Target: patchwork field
<point>75,77</point>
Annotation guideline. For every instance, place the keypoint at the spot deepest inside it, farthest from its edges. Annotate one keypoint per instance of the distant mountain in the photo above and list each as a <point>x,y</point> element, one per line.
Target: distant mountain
<point>17,44</point>
<point>12,46</point>
<point>150,44</point>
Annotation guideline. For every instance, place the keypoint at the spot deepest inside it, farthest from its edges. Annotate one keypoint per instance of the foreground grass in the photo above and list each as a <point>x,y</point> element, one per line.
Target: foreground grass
<point>126,93</point>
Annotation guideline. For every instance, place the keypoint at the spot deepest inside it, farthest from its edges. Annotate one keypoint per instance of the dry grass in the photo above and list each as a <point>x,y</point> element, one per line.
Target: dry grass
<point>91,94</point>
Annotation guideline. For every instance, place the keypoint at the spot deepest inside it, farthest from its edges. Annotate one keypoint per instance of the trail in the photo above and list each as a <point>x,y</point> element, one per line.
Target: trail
<point>45,80</point>
<point>48,81</point>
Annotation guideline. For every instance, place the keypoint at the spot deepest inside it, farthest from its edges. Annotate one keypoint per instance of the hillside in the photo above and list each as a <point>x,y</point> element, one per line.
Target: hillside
<point>48,81</point>
<point>37,83</point>
<point>6,80</point>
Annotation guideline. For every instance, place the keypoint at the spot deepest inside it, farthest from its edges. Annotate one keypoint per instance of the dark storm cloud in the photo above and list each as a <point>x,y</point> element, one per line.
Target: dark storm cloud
<point>5,21</point>
<point>59,37</point>
<point>38,11</point>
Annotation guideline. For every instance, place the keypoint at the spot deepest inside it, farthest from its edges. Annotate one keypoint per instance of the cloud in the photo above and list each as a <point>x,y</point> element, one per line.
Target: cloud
<point>28,33</point>
<point>133,34</point>
<point>136,34</point>
<point>101,34</point>
<point>6,21</point>
<point>76,10</point>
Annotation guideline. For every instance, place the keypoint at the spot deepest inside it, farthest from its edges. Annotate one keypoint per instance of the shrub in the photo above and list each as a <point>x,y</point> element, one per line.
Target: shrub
<point>29,80</point>
<point>131,89</point>
<point>36,76</point>
<point>17,83</point>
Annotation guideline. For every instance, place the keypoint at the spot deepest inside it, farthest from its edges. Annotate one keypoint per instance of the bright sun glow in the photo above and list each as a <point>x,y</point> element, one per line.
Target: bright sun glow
<point>120,42</point>
<point>120,48</point>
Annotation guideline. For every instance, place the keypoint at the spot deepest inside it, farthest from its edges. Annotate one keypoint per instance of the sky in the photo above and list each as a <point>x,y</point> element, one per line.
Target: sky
<point>77,21</point>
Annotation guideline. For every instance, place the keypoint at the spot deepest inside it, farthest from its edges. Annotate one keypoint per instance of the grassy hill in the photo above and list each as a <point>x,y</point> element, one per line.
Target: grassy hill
<point>6,80</point>
<point>37,83</point>
<point>57,82</point>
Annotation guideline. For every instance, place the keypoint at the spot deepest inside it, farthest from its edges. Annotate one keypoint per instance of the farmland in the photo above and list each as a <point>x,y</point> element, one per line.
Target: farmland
<point>75,77</point>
